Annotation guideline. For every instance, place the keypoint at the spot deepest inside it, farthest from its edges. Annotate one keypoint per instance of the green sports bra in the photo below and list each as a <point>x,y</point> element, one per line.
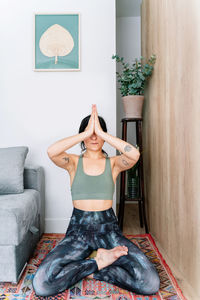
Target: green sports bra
<point>86,186</point>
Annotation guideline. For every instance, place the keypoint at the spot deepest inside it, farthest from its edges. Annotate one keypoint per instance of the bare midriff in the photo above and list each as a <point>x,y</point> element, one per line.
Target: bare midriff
<point>92,204</point>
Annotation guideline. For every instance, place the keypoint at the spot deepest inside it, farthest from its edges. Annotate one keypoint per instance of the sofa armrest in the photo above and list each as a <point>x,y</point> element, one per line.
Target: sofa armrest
<point>34,178</point>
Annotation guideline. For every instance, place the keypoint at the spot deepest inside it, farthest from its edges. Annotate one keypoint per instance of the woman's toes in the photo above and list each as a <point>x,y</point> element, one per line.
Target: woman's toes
<point>123,248</point>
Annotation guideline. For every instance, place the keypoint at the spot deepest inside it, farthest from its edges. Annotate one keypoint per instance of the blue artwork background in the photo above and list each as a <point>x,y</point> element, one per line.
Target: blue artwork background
<point>69,22</point>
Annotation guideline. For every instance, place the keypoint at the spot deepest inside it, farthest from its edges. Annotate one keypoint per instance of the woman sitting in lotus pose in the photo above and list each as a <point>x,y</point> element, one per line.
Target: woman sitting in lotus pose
<point>93,224</point>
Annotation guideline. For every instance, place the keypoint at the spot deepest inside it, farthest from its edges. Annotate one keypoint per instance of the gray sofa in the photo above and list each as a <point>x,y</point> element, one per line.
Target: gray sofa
<point>21,217</point>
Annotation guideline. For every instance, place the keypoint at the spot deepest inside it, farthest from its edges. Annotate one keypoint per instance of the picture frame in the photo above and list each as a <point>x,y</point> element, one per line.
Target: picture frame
<point>57,42</point>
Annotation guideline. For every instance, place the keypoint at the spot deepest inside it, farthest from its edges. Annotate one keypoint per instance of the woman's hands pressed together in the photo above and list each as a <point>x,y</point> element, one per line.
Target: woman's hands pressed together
<point>93,124</point>
<point>97,126</point>
<point>90,126</point>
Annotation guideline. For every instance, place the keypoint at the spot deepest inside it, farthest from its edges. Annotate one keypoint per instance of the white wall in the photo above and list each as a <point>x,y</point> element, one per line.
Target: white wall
<point>128,45</point>
<point>39,108</point>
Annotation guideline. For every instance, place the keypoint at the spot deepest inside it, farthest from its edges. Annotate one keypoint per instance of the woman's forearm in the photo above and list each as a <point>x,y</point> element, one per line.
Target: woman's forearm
<point>66,143</point>
<point>127,149</point>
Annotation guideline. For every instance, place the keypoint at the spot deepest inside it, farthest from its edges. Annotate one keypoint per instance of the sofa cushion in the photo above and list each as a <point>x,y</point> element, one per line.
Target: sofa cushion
<point>18,213</point>
<point>12,161</point>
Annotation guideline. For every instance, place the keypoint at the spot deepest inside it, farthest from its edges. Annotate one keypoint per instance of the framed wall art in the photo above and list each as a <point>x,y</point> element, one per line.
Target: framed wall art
<point>57,42</point>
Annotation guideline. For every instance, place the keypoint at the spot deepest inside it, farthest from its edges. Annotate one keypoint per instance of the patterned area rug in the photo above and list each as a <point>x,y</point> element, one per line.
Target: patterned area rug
<point>91,288</point>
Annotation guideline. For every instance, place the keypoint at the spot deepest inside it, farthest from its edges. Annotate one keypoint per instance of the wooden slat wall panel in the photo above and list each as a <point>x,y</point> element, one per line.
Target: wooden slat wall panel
<point>171,130</point>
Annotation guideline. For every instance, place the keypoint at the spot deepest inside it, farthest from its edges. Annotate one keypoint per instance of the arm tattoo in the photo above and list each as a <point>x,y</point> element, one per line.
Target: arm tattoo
<point>127,148</point>
<point>66,159</point>
<point>125,162</point>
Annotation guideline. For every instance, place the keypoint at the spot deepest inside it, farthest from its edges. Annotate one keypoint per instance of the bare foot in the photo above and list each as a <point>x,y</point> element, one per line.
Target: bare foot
<point>106,257</point>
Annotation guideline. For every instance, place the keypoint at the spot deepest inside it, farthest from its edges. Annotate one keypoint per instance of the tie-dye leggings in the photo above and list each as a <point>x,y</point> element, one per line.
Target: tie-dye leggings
<point>67,262</point>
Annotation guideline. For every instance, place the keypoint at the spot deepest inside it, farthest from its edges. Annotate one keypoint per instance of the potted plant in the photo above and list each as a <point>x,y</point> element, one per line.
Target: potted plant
<point>132,83</point>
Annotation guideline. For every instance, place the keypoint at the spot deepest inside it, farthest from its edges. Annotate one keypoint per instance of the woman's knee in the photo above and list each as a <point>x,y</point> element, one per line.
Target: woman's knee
<point>151,282</point>
<point>39,282</point>
<point>47,283</point>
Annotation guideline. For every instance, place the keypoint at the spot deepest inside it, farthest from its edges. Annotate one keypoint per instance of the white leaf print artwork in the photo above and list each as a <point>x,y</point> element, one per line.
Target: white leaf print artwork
<point>56,41</point>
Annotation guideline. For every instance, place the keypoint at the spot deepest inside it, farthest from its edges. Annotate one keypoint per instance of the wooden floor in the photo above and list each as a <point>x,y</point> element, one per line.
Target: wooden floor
<point>131,219</point>
<point>132,226</point>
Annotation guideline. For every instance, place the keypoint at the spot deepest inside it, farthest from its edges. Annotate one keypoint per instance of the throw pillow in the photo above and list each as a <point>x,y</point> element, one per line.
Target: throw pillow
<point>12,160</point>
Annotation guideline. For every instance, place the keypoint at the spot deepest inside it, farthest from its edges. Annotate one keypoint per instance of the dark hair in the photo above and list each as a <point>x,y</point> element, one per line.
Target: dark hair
<point>84,124</point>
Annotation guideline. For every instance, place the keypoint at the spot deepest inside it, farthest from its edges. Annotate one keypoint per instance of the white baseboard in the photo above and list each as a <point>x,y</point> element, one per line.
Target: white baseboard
<point>56,225</point>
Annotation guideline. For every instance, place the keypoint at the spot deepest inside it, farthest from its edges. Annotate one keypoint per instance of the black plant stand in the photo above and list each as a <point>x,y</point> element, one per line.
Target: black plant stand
<point>123,197</point>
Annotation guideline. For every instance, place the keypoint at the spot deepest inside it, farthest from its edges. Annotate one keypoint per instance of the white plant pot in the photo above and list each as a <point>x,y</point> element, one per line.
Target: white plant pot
<point>133,105</point>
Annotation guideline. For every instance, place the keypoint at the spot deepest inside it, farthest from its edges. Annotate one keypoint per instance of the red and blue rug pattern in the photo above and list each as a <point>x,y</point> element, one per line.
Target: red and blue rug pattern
<point>89,288</point>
